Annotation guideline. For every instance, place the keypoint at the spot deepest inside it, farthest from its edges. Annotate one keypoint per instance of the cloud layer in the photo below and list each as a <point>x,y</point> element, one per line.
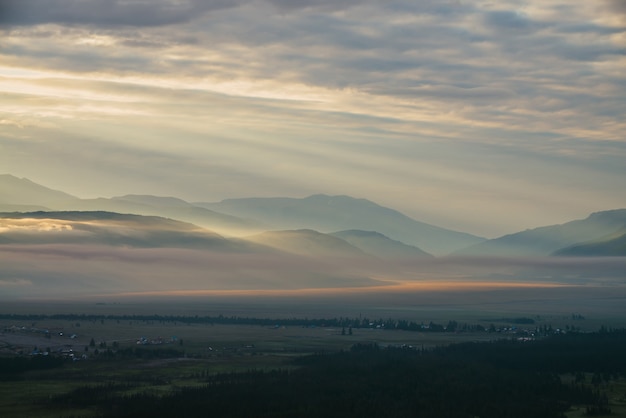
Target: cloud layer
<point>72,271</point>
<point>486,117</point>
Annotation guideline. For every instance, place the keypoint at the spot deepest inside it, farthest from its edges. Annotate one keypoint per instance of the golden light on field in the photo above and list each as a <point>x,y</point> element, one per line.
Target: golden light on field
<point>390,287</point>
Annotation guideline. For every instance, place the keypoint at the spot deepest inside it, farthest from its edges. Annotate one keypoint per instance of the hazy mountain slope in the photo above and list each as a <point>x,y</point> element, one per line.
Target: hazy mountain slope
<point>377,244</point>
<point>61,254</point>
<point>107,228</point>
<point>612,245</point>
<point>332,213</point>
<point>167,207</point>
<point>22,208</point>
<point>238,217</point>
<point>23,195</point>
<point>307,242</point>
<point>19,194</point>
<point>548,239</point>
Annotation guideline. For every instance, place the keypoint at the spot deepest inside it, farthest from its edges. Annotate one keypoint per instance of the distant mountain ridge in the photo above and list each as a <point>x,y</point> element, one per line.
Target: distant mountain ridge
<point>16,193</point>
<point>170,207</point>
<point>307,242</point>
<point>334,213</point>
<point>112,229</point>
<point>25,196</point>
<point>362,224</point>
<point>115,229</point>
<point>609,246</point>
<point>550,239</point>
<point>318,212</point>
<point>75,253</point>
<point>379,245</point>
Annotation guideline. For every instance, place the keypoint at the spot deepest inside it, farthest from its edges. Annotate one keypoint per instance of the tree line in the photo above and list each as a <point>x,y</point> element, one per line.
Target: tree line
<point>503,379</point>
<point>343,322</point>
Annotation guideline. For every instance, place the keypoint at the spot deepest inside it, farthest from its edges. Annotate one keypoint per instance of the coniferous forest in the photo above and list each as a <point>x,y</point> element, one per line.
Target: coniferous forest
<point>504,378</point>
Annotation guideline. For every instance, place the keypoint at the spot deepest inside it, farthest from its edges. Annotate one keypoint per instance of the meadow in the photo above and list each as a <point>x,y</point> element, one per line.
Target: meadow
<point>133,366</point>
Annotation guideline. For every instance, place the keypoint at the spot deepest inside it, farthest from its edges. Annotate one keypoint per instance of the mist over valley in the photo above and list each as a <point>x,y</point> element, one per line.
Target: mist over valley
<point>144,250</point>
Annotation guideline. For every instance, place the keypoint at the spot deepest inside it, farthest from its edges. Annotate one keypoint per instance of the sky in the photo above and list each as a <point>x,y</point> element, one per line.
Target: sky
<point>480,116</point>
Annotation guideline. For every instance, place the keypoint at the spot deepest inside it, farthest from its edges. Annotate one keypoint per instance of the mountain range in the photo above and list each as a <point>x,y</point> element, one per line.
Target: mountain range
<point>327,214</point>
<point>318,225</point>
<point>55,245</point>
<point>579,237</point>
<point>243,217</point>
<point>112,229</point>
<point>610,245</point>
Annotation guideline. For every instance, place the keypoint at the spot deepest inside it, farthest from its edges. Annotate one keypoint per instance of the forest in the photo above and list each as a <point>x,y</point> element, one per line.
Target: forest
<point>502,378</point>
<point>345,322</point>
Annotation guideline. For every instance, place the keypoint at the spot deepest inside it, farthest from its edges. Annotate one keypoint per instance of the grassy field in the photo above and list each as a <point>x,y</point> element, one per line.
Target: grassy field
<point>205,349</point>
<point>211,340</point>
<point>600,304</point>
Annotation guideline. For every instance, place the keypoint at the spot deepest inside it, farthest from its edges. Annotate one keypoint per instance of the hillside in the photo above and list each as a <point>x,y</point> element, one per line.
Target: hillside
<point>169,207</point>
<point>239,217</point>
<point>610,246</point>
<point>307,242</point>
<point>391,233</point>
<point>61,254</point>
<point>378,245</point>
<point>335,213</point>
<point>111,229</point>
<point>548,239</point>
<point>22,194</point>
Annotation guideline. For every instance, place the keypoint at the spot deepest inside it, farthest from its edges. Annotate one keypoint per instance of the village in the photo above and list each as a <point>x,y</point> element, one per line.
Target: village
<point>86,340</point>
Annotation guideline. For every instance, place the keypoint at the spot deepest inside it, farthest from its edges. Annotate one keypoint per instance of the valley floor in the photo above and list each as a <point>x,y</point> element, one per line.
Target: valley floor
<point>116,350</point>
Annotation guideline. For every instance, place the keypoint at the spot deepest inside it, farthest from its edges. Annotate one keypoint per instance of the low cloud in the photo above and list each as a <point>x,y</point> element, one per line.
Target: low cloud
<point>74,270</point>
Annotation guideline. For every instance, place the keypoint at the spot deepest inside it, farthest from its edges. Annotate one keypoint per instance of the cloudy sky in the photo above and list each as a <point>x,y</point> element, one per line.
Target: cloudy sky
<point>487,117</point>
